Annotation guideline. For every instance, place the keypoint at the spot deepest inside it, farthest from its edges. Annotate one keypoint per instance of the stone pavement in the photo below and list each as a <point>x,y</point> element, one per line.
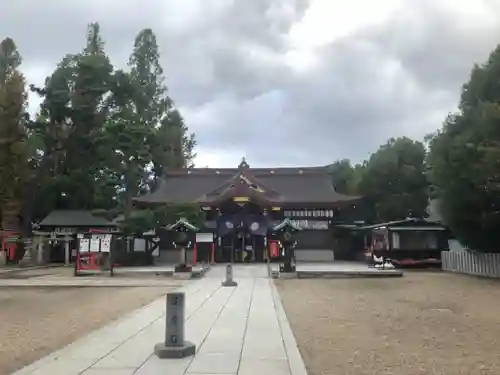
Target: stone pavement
<point>93,282</point>
<point>237,331</point>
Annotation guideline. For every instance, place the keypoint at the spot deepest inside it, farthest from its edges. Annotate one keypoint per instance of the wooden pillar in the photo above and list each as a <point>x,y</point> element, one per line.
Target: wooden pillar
<point>3,254</point>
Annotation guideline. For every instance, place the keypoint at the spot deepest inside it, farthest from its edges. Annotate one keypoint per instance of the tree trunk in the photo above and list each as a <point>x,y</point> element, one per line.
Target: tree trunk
<point>29,192</point>
<point>130,193</point>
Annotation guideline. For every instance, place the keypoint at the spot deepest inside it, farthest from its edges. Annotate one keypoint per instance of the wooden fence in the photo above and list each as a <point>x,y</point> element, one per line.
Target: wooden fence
<point>471,263</point>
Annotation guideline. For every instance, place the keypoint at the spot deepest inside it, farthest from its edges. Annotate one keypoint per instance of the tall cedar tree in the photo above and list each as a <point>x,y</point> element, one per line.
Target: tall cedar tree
<point>170,144</point>
<point>102,136</point>
<point>69,129</point>
<point>127,139</point>
<point>13,149</point>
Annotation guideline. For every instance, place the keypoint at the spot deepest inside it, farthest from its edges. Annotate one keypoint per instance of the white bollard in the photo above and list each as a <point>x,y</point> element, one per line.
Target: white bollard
<point>229,277</point>
<point>174,345</point>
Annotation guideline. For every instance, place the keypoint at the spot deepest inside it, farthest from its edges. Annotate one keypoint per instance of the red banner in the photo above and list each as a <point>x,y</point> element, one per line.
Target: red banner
<point>273,249</point>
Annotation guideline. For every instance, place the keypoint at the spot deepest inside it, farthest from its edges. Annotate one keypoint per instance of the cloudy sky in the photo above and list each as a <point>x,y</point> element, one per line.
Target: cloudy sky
<point>282,82</point>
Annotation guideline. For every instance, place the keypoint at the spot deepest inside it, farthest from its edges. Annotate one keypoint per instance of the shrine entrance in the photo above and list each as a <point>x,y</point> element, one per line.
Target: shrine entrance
<point>244,247</point>
<point>240,247</point>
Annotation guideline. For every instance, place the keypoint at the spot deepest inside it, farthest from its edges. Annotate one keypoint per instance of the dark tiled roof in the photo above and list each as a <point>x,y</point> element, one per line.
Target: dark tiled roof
<point>182,223</point>
<point>284,223</point>
<point>287,185</point>
<point>121,217</point>
<point>397,223</point>
<point>248,179</point>
<point>73,218</point>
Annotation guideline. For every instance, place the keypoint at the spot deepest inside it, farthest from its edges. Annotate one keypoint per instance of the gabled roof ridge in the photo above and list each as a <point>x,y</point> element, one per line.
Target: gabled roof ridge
<point>252,178</point>
<point>233,189</point>
<point>254,171</point>
<point>226,182</point>
<point>229,184</point>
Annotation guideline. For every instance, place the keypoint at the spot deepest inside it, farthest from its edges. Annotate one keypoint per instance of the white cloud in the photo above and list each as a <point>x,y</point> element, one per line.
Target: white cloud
<point>329,20</point>
<point>283,82</point>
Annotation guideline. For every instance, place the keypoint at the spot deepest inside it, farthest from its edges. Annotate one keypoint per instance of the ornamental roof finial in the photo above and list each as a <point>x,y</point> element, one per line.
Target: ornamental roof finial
<point>243,163</point>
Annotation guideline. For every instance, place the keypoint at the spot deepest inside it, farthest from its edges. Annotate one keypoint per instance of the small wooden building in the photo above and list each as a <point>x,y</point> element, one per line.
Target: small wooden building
<point>408,242</point>
<point>241,204</point>
<point>56,235</point>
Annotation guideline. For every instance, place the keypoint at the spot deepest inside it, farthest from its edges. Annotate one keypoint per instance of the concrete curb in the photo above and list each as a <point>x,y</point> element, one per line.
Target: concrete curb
<point>346,274</point>
<point>7,270</point>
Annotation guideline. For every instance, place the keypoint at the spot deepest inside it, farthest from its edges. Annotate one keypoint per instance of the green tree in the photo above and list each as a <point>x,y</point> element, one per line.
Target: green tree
<point>102,135</point>
<point>394,180</point>
<point>141,221</point>
<point>69,131</point>
<point>129,153</point>
<point>171,145</point>
<point>464,161</point>
<point>13,137</point>
<point>347,178</point>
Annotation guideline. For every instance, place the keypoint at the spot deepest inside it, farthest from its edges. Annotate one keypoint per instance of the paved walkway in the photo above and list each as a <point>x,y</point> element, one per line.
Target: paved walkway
<point>237,331</point>
<point>107,282</point>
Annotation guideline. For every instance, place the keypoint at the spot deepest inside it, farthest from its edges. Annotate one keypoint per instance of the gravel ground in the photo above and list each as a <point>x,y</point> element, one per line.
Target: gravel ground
<point>425,323</point>
<point>36,321</point>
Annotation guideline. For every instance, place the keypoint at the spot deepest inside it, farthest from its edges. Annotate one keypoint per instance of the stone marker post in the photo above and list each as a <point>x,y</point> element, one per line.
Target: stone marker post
<point>174,345</point>
<point>229,277</point>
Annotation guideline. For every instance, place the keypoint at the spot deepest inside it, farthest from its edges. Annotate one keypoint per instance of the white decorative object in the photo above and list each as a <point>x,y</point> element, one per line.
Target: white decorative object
<point>95,244</point>
<point>106,243</point>
<point>395,240</point>
<point>254,226</point>
<point>84,245</point>
<point>204,237</point>
<point>139,245</point>
<point>388,265</point>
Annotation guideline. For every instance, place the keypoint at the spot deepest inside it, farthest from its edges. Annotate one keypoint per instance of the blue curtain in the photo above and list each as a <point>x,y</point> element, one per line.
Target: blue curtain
<point>254,224</point>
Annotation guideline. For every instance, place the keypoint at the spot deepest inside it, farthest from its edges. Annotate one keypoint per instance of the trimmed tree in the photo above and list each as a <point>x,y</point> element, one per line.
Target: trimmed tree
<point>464,156</point>
<point>394,181</point>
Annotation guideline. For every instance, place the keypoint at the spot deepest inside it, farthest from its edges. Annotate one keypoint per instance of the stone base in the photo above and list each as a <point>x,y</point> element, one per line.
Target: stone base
<point>287,268</point>
<point>182,268</point>
<point>162,351</point>
<point>229,283</point>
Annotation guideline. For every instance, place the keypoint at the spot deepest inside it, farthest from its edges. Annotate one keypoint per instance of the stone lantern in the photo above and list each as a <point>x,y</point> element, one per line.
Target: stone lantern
<point>285,233</point>
<point>184,238</point>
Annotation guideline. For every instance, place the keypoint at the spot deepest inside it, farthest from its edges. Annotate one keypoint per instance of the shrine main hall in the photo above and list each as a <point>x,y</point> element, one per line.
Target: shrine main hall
<point>242,204</point>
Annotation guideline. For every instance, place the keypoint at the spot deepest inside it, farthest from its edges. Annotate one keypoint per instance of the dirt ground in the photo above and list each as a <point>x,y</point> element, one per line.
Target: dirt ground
<point>36,321</point>
<point>421,324</point>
